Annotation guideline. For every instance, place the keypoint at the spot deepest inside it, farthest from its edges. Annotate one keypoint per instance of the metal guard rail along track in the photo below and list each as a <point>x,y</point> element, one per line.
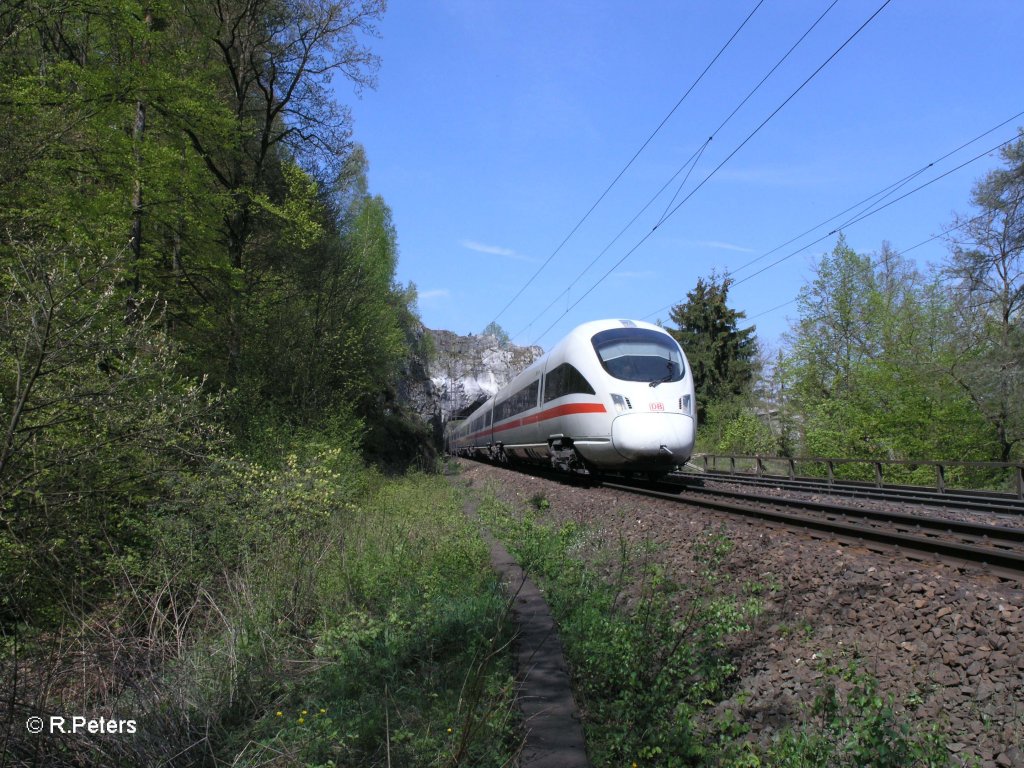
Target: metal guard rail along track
<point>757,466</point>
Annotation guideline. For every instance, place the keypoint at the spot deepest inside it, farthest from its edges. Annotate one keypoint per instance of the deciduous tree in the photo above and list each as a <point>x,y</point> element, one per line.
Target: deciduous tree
<point>271,62</point>
<point>986,269</point>
<point>863,370</point>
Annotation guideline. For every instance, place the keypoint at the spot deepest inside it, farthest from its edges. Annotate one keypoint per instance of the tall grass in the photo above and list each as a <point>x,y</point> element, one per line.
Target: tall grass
<point>310,612</point>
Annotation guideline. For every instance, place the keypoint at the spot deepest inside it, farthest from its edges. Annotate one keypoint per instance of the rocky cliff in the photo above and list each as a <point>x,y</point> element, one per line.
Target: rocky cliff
<point>466,370</point>
<point>454,373</point>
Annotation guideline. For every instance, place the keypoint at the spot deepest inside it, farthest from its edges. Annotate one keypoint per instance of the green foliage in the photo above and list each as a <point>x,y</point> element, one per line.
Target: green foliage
<point>860,728</point>
<point>643,667</point>
<point>303,610</point>
<point>864,370</point>
<point>246,207</point>
<point>96,416</point>
<point>733,428</point>
<point>721,355</point>
<point>330,329</point>
<point>495,330</point>
<point>238,510</point>
<point>201,337</point>
<point>986,267</point>
<point>404,621</point>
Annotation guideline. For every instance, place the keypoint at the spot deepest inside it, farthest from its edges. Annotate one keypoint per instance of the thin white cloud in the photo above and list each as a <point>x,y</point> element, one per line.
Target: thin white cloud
<point>440,293</point>
<point>494,250</point>
<point>723,246</point>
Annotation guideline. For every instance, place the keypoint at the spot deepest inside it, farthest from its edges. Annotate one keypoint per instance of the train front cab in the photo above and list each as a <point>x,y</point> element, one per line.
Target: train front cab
<point>656,425</point>
<point>644,375</point>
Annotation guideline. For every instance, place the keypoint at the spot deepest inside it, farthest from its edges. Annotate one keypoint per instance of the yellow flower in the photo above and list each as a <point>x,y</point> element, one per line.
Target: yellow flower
<point>278,714</point>
<point>303,713</point>
<point>449,730</point>
<point>302,720</point>
<point>323,711</point>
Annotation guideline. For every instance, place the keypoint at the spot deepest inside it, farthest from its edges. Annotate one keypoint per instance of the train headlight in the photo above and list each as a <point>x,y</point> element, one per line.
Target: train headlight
<point>686,404</point>
<point>621,403</point>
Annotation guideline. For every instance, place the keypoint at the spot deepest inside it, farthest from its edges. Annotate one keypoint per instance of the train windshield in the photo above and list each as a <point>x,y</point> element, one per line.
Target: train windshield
<point>639,354</point>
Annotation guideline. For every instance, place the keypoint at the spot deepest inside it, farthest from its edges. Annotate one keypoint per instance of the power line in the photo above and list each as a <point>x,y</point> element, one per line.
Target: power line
<point>881,194</point>
<point>905,251</point>
<point>780,107</point>
<point>719,166</point>
<point>779,306</point>
<point>874,208</point>
<point>872,212</point>
<point>630,163</point>
<point>691,163</point>
<point>693,158</point>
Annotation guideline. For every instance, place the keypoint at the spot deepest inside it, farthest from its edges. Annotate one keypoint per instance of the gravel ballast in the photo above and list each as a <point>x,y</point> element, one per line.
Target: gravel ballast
<point>946,644</point>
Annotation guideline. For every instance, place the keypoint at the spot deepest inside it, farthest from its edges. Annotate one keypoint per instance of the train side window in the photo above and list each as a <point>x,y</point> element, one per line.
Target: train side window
<point>522,400</point>
<point>532,395</point>
<point>565,380</point>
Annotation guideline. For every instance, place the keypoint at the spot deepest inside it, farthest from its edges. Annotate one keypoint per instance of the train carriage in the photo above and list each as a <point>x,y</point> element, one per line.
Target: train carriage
<point>612,395</point>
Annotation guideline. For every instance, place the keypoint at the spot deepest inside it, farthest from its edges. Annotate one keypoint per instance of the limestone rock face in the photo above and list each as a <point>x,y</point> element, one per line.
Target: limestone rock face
<point>458,372</point>
<point>465,370</point>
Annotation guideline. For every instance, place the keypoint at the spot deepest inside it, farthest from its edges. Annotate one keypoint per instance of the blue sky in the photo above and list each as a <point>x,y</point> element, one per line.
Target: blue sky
<point>496,125</point>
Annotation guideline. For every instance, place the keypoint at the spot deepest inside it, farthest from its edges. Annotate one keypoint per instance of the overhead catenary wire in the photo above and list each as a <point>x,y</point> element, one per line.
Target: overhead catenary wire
<point>630,163</point>
<point>872,212</point>
<point>873,208</point>
<point>690,164</point>
<point>743,143</point>
<point>903,252</point>
<point>881,194</point>
<point>776,307</point>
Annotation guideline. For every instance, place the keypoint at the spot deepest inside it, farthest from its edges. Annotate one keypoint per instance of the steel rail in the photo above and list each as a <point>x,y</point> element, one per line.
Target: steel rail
<point>979,530</point>
<point>981,501</point>
<point>992,558</point>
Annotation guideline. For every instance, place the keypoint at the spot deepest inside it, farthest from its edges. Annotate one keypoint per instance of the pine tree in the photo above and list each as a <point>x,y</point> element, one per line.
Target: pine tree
<point>721,354</point>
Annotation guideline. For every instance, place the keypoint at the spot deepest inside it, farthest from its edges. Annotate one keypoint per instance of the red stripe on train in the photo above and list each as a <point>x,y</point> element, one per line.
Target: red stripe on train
<point>551,413</point>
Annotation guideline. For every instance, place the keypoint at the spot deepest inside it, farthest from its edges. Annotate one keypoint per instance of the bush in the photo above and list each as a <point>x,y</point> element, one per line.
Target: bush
<point>733,428</point>
<point>305,612</point>
<point>404,631</point>
<point>96,416</point>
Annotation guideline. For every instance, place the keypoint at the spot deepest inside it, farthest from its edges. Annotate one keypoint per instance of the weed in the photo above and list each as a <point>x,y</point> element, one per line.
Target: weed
<point>539,502</point>
<point>642,671</point>
<point>858,728</point>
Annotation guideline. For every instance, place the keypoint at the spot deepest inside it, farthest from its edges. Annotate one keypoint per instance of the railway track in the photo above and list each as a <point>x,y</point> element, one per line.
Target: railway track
<point>997,548</point>
<point>951,633</point>
<point>980,501</point>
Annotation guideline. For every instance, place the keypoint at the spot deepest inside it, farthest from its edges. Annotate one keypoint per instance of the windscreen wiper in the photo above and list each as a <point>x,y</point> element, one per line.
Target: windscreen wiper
<point>667,377</point>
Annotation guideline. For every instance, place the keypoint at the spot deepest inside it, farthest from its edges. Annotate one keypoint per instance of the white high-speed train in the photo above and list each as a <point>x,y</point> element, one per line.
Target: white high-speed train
<point>613,395</point>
